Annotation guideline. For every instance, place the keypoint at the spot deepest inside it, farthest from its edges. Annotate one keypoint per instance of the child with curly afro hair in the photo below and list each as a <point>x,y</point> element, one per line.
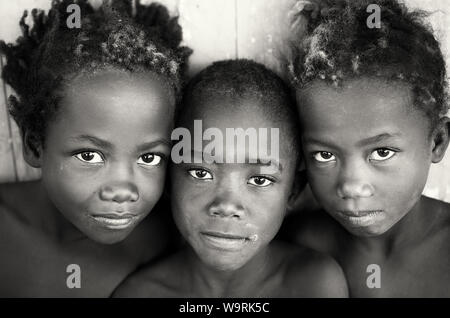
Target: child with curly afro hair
<point>95,107</point>
<point>372,101</point>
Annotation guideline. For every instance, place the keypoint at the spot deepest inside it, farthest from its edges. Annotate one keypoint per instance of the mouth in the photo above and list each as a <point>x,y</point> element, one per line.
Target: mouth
<point>361,217</point>
<point>227,241</point>
<point>115,221</point>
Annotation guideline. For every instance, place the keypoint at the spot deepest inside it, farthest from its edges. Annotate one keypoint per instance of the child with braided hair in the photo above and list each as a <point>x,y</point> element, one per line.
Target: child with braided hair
<point>95,109</point>
<point>372,103</point>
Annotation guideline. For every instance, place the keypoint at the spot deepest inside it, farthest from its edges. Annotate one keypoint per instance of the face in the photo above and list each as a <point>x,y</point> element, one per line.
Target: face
<point>105,154</point>
<point>367,150</point>
<point>229,212</point>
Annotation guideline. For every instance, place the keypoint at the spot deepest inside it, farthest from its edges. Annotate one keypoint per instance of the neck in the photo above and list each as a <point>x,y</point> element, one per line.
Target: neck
<point>212,282</point>
<point>408,230</point>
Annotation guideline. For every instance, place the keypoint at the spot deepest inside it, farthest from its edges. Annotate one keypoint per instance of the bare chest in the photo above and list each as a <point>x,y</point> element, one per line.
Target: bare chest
<point>33,266</point>
<point>424,272</point>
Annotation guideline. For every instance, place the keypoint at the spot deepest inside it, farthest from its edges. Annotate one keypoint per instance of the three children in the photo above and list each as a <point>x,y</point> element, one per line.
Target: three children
<point>229,211</point>
<point>96,110</point>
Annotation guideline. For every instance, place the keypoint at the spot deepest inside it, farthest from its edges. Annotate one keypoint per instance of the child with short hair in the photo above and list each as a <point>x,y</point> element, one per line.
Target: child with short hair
<point>229,211</point>
<point>372,102</point>
<point>95,110</point>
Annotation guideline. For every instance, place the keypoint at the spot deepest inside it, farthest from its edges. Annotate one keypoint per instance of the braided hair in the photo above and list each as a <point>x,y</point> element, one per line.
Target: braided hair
<point>339,45</point>
<point>48,55</point>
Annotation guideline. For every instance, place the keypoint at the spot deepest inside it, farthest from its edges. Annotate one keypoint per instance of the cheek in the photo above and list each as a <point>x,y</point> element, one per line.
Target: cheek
<point>188,204</point>
<point>151,185</point>
<point>66,186</point>
<point>187,222</point>
<point>403,185</point>
<point>267,213</point>
<point>322,183</point>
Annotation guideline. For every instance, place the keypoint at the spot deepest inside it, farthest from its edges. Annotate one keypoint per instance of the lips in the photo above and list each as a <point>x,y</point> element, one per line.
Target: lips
<point>361,218</point>
<point>225,241</point>
<point>358,213</point>
<point>115,221</point>
<point>225,235</point>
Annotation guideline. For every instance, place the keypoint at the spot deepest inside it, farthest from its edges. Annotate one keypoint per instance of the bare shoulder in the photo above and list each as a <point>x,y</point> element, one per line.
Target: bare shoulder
<point>313,274</point>
<point>317,230</point>
<point>154,281</point>
<point>441,211</point>
<point>437,205</point>
<point>18,201</point>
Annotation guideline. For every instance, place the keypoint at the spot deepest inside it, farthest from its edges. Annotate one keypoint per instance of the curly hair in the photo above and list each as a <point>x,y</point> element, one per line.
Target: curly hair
<point>243,79</point>
<point>47,56</point>
<point>339,45</point>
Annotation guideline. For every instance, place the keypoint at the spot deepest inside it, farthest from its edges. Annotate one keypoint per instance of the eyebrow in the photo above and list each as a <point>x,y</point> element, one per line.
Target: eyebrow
<point>153,144</point>
<point>94,140</point>
<point>377,139</point>
<point>364,142</point>
<point>107,145</point>
<point>270,161</point>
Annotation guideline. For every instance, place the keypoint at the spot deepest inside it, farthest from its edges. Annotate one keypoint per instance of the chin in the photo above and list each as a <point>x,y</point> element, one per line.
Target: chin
<point>223,265</point>
<point>109,238</point>
<point>366,231</point>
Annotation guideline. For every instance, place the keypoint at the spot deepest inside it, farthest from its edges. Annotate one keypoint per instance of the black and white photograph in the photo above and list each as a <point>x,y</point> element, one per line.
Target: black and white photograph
<point>215,150</point>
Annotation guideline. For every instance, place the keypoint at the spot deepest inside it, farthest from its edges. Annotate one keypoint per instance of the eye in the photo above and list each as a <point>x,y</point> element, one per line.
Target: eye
<point>89,157</point>
<point>260,181</point>
<point>324,156</point>
<point>382,154</point>
<point>149,159</point>
<point>200,174</point>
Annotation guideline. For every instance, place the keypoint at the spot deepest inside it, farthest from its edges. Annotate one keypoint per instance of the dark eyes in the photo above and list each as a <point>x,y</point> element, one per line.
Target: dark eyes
<point>324,156</point>
<point>200,174</point>
<point>89,157</point>
<point>381,154</point>
<point>149,159</point>
<point>94,157</point>
<point>258,181</point>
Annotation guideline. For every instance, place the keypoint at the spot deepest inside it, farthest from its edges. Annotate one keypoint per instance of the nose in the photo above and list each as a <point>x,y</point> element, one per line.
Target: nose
<point>120,192</point>
<point>120,188</point>
<point>226,204</point>
<point>354,183</point>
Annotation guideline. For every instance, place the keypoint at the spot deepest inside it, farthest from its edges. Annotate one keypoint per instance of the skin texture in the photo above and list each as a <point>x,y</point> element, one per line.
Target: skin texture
<point>212,200</point>
<point>368,151</point>
<point>100,160</point>
<point>115,178</point>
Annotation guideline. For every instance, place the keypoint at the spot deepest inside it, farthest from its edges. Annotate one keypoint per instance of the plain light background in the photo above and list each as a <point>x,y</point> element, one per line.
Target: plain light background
<point>214,29</point>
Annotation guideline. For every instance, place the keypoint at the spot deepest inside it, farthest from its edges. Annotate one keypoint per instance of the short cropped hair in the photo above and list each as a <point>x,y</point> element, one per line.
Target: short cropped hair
<point>241,79</point>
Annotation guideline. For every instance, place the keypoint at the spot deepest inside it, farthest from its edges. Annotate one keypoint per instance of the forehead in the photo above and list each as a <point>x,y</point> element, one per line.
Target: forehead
<point>359,108</point>
<point>112,84</point>
<point>115,102</point>
<point>245,113</point>
<point>231,112</point>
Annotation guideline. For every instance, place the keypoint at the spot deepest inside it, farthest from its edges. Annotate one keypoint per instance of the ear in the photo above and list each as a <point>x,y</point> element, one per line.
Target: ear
<point>440,140</point>
<point>300,182</point>
<point>32,149</point>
